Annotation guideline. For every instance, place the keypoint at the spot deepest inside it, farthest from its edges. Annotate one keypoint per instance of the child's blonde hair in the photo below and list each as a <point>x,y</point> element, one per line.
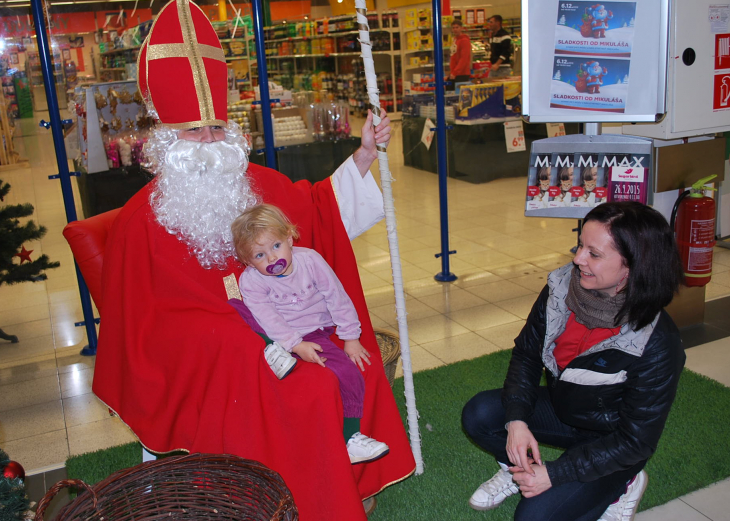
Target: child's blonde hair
<point>248,227</point>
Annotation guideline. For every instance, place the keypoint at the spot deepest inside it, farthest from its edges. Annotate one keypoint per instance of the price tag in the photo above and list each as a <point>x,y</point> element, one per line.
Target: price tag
<point>427,133</point>
<point>555,129</point>
<point>514,136</point>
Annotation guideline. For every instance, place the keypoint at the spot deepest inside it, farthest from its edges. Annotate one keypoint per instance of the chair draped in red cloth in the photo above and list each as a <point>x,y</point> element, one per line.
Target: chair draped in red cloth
<point>87,239</point>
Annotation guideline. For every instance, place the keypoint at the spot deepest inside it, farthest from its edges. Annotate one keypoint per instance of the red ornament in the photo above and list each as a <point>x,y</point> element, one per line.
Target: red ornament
<point>13,470</point>
<point>24,255</point>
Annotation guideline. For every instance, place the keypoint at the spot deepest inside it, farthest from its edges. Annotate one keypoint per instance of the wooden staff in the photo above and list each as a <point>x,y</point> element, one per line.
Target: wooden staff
<point>385,181</point>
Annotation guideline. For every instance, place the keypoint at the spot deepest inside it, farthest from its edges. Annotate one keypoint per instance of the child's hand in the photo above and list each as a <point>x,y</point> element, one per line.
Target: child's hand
<point>357,353</point>
<point>307,351</point>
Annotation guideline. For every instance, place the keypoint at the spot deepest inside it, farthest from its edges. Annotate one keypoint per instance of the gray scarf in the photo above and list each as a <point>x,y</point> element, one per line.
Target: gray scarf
<point>591,308</point>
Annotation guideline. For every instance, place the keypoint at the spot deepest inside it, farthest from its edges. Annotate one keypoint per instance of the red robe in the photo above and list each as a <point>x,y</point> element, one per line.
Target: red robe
<point>182,369</point>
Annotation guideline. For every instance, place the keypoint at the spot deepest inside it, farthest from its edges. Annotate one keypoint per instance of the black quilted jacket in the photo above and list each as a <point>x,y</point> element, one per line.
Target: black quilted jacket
<point>622,392</point>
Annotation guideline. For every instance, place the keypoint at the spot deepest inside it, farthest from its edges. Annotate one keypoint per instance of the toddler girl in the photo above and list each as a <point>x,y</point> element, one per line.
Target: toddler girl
<point>291,295</point>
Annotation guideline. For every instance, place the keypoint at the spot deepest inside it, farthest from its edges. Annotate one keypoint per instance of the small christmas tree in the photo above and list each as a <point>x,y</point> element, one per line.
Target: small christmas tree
<point>13,236</point>
<point>14,503</point>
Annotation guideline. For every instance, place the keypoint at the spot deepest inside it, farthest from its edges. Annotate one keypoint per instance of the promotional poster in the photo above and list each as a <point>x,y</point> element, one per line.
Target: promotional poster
<point>589,84</point>
<point>540,182</point>
<point>595,29</point>
<point>627,176</point>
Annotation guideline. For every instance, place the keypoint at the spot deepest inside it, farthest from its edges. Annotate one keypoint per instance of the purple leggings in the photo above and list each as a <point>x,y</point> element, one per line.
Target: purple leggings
<point>352,383</point>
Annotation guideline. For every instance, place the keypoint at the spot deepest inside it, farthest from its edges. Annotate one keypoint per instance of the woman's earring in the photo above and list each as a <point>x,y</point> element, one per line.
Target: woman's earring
<point>621,281</point>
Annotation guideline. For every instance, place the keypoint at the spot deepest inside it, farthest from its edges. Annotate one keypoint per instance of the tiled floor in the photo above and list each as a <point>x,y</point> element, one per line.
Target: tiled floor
<point>48,413</point>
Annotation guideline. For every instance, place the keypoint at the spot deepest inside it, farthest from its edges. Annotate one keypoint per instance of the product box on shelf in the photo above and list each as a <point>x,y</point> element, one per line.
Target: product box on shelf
<point>480,70</point>
<point>424,18</point>
<point>489,100</point>
<point>411,18</point>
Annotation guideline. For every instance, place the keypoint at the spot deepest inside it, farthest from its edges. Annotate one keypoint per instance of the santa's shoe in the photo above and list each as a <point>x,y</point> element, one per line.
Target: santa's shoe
<point>279,359</point>
<point>624,508</point>
<point>492,493</point>
<point>363,449</point>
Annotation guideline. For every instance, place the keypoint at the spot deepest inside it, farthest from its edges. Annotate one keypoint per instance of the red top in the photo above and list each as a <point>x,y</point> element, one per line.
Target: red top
<point>460,61</point>
<point>183,370</point>
<point>577,339</point>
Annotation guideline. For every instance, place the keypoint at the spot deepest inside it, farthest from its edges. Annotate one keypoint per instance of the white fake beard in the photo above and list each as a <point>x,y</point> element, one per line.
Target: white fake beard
<point>201,189</point>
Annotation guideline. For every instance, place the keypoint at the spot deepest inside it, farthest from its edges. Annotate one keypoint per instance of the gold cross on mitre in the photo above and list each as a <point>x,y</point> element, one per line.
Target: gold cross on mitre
<point>194,51</point>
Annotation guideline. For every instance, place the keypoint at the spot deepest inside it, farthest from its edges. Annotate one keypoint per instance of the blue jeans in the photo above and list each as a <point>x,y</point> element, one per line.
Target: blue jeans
<point>483,420</point>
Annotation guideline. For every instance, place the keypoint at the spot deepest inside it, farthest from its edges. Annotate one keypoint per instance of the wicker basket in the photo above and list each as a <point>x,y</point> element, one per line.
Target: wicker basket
<point>389,344</point>
<point>194,486</point>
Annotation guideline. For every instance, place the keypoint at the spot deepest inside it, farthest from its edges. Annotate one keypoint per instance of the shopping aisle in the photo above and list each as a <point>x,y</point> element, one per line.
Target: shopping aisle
<point>47,411</point>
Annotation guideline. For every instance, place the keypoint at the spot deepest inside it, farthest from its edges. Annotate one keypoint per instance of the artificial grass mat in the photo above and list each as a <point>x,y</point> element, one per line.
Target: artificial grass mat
<point>454,467</point>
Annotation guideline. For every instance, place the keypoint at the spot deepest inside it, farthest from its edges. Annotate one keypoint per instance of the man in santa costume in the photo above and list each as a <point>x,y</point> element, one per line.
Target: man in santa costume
<point>175,360</point>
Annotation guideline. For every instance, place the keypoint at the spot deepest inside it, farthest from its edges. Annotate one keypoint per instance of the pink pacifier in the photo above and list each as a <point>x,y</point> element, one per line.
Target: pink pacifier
<point>277,268</point>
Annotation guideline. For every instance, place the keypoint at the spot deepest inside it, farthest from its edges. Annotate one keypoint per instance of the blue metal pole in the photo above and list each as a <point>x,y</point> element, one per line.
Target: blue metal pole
<point>49,82</point>
<point>438,59</point>
<point>258,29</point>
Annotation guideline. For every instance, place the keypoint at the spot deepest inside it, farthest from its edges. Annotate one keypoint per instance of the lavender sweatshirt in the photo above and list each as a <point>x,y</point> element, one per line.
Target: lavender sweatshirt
<point>309,298</point>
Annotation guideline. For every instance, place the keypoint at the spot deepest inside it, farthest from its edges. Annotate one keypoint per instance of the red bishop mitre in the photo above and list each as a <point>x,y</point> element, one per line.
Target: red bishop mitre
<point>181,68</point>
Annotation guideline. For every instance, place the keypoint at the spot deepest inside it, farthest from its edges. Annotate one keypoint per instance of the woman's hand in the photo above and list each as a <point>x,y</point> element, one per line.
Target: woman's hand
<point>307,351</point>
<point>519,440</point>
<point>371,137</point>
<point>532,483</point>
<point>357,353</point>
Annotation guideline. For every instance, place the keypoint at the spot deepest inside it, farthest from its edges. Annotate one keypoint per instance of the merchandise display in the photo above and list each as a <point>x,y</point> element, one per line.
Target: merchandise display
<point>119,53</point>
<point>239,112</point>
<point>489,100</point>
<point>110,117</point>
<point>324,55</point>
<point>9,93</point>
<point>291,130</point>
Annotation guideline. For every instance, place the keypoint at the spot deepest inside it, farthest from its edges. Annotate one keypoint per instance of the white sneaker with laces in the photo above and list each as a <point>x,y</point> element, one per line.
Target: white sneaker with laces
<point>492,493</point>
<point>625,508</point>
<point>363,449</point>
<point>280,360</point>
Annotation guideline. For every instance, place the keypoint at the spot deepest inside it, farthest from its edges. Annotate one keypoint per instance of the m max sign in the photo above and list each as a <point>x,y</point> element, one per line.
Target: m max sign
<point>567,176</point>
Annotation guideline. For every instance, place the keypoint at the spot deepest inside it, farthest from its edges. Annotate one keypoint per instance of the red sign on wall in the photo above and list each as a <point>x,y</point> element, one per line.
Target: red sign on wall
<point>722,51</point>
<point>721,95</point>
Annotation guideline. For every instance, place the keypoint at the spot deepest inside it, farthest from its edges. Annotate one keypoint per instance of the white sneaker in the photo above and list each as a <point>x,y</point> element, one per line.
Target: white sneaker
<point>492,493</point>
<point>625,508</point>
<point>280,360</point>
<point>363,449</point>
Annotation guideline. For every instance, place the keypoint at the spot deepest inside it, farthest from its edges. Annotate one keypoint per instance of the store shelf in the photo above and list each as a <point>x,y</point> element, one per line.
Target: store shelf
<point>112,68</point>
<point>234,58</point>
<point>329,55</point>
<point>419,28</point>
<point>119,50</point>
<point>330,35</point>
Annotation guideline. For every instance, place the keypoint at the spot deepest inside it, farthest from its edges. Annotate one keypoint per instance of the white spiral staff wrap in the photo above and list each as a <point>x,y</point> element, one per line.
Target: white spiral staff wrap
<point>385,182</point>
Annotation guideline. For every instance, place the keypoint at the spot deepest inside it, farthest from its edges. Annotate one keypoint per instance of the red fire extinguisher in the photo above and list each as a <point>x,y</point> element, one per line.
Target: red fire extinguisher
<point>693,222</point>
